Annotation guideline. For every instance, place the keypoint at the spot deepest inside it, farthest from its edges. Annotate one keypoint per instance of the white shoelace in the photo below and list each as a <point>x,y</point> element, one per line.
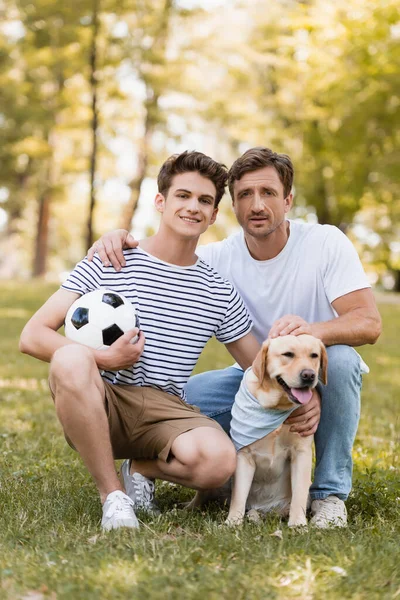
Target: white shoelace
<point>145,490</point>
<point>121,505</point>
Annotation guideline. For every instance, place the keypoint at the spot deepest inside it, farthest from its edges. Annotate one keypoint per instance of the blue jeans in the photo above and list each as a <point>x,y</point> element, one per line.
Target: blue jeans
<point>214,392</point>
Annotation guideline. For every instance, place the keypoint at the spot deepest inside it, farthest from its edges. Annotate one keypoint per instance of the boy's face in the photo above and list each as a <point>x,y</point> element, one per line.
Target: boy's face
<point>188,209</point>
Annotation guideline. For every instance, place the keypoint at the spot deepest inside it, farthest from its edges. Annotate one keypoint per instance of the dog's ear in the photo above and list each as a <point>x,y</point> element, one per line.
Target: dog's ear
<point>260,363</point>
<point>323,369</point>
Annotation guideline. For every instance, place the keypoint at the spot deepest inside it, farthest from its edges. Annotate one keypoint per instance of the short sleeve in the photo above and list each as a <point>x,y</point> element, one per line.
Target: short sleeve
<point>86,277</point>
<point>342,269</point>
<point>237,322</point>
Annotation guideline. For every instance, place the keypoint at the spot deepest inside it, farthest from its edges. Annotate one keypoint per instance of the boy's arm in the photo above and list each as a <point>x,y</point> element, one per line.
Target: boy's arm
<point>244,350</point>
<point>40,339</point>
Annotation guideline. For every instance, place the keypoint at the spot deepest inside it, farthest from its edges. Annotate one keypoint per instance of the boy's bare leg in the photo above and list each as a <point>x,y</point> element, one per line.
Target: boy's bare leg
<point>203,458</point>
<point>79,401</point>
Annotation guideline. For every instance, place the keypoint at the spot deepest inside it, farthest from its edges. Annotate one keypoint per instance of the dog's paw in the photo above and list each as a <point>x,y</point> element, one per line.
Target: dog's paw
<point>234,521</point>
<point>254,516</point>
<point>298,524</point>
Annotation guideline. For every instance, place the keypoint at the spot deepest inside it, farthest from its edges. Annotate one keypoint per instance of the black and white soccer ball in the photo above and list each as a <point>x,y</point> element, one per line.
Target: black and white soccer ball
<point>97,319</point>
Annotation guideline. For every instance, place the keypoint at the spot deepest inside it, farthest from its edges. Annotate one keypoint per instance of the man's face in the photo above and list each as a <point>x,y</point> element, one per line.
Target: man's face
<point>188,208</point>
<point>259,202</point>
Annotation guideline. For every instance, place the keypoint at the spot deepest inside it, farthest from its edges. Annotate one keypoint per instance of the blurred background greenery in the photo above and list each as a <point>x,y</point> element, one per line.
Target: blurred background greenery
<point>95,94</point>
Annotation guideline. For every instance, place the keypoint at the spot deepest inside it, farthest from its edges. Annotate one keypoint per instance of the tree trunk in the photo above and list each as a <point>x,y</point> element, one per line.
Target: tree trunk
<point>42,234</point>
<point>322,207</point>
<point>51,171</point>
<point>44,200</point>
<point>150,121</point>
<point>95,122</point>
<point>15,211</point>
<point>143,158</point>
<point>321,200</point>
<point>396,280</point>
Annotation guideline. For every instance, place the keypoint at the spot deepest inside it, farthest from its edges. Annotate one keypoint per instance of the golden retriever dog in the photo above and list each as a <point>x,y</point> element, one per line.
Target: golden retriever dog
<point>273,470</point>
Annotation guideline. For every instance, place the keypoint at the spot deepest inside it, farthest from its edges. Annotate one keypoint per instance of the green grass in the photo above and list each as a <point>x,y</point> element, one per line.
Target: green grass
<point>50,540</point>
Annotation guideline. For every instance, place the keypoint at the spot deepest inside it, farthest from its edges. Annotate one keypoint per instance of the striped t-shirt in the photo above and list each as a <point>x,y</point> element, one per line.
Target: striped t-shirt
<point>179,308</point>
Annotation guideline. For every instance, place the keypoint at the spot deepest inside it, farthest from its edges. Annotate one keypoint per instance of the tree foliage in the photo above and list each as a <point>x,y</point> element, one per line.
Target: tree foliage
<point>95,94</point>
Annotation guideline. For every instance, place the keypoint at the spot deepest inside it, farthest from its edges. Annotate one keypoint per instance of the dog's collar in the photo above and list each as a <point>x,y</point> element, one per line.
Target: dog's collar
<point>250,421</point>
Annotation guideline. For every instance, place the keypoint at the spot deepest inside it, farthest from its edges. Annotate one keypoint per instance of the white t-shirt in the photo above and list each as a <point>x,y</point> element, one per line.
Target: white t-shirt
<point>179,309</point>
<point>317,265</point>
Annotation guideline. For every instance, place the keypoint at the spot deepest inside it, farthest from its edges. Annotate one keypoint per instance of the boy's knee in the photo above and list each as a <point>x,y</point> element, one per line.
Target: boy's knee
<point>71,365</point>
<point>228,459</point>
<point>217,465</point>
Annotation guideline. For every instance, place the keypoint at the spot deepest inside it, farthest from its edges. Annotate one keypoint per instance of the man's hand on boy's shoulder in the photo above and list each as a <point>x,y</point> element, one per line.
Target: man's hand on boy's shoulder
<point>110,248</point>
<point>122,354</point>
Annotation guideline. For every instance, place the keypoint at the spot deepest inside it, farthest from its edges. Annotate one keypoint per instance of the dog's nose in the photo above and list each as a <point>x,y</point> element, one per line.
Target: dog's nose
<point>307,376</point>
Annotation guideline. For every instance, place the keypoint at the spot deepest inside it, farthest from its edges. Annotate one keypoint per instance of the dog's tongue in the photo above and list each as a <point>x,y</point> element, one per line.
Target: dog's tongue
<point>302,395</point>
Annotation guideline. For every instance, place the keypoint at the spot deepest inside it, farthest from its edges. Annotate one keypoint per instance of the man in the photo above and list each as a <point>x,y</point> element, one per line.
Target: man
<point>294,278</point>
<point>135,408</point>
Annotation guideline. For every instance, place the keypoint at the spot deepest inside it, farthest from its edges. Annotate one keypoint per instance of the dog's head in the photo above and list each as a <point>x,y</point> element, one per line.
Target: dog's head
<point>291,365</point>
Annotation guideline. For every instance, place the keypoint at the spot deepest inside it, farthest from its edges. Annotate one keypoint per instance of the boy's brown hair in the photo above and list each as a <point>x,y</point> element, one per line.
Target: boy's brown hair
<point>192,161</point>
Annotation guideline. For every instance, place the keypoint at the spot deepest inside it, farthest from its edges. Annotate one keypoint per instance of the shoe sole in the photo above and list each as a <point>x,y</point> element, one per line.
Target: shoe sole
<point>327,525</point>
<point>110,527</point>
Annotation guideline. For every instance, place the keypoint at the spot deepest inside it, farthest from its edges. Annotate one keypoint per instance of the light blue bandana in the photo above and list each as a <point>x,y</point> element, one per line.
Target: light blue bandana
<point>250,421</point>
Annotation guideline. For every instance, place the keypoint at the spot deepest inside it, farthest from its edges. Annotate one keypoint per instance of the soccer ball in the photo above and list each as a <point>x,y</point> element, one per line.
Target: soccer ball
<point>97,319</point>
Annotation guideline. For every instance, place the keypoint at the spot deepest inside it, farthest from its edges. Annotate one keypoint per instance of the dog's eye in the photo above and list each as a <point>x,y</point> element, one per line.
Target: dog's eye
<point>314,355</point>
<point>288,354</point>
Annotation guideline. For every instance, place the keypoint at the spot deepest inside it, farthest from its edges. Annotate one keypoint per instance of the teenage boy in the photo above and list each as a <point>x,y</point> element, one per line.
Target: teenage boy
<point>135,408</point>
<point>295,278</point>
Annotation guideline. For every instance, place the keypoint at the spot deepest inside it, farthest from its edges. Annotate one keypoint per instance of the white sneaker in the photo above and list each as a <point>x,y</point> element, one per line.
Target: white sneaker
<point>118,512</point>
<point>140,489</point>
<point>329,512</point>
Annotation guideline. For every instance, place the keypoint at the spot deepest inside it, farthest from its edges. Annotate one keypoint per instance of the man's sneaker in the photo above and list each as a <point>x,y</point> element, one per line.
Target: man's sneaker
<point>118,512</point>
<point>140,489</point>
<point>330,512</point>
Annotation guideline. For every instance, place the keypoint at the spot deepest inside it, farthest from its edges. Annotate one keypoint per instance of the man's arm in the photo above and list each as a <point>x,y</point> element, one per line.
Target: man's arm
<point>358,322</point>
<point>40,339</point>
<point>109,248</point>
<point>244,350</point>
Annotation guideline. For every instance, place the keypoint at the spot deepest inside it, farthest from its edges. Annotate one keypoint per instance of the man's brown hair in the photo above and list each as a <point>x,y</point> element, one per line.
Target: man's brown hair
<point>258,158</point>
<point>192,161</point>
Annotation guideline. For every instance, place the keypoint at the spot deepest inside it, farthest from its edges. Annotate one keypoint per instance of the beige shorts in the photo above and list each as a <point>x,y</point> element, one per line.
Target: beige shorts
<point>144,421</point>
